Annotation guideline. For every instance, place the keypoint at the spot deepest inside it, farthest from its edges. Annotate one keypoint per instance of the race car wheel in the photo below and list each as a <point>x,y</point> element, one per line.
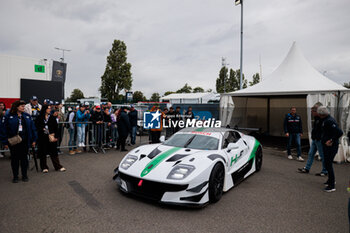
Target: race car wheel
<point>216,183</point>
<point>258,158</point>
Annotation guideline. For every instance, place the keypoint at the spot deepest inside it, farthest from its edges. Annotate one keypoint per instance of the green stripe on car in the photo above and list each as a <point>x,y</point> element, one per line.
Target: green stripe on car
<point>200,129</point>
<point>157,160</point>
<point>256,146</point>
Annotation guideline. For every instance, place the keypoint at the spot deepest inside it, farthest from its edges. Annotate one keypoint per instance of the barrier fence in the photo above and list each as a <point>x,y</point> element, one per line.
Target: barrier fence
<point>95,137</point>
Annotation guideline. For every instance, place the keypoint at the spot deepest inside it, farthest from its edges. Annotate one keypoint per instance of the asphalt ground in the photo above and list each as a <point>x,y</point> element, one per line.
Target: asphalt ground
<point>85,199</point>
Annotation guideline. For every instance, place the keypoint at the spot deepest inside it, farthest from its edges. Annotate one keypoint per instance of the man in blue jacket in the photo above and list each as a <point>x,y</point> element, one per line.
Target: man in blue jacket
<point>293,129</point>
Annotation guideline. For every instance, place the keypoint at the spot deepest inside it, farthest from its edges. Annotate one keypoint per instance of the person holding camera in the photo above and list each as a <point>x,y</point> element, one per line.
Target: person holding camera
<point>18,133</point>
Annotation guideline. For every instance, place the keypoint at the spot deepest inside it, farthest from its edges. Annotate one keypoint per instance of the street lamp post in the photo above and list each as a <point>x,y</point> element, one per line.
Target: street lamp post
<point>63,50</point>
<point>240,2</point>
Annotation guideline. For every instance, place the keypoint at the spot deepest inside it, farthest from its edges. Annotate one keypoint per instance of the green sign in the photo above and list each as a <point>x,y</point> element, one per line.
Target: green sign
<point>39,68</point>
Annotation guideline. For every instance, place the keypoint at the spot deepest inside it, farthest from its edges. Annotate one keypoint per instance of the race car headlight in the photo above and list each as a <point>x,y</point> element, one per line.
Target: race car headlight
<point>180,172</point>
<point>128,161</point>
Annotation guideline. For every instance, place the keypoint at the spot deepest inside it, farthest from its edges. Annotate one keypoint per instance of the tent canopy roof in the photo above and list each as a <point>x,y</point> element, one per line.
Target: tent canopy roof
<point>188,95</point>
<point>295,76</point>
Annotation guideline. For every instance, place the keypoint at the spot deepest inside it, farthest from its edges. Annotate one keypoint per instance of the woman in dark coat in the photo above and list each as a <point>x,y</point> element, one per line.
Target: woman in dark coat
<point>17,122</point>
<point>46,124</point>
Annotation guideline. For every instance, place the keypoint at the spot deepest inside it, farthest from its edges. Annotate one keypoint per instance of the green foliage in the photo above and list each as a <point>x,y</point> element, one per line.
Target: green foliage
<point>168,93</point>
<point>347,85</point>
<point>256,79</point>
<point>209,90</point>
<point>138,96</point>
<point>75,95</point>
<point>198,90</point>
<point>155,97</point>
<point>117,75</point>
<point>222,80</point>
<point>185,89</point>
<point>225,83</point>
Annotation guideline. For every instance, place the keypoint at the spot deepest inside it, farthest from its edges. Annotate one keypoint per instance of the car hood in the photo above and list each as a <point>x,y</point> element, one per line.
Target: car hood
<point>156,161</point>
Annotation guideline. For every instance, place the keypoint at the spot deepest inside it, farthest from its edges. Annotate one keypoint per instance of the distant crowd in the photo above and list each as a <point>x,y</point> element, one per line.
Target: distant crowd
<point>41,127</point>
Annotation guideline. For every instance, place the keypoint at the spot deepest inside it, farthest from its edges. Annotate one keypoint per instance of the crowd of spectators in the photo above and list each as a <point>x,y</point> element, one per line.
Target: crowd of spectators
<point>41,127</point>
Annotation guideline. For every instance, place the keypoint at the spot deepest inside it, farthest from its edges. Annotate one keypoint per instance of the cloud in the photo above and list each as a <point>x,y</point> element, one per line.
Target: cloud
<point>171,43</point>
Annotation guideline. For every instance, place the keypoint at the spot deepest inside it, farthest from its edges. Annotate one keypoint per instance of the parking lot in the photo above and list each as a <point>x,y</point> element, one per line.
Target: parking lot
<point>85,199</point>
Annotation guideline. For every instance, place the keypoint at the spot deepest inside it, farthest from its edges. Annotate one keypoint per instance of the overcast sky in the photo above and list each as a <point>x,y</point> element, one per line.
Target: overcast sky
<point>171,43</point>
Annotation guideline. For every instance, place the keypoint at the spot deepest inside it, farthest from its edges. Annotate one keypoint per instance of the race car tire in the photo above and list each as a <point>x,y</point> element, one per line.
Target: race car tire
<point>216,183</point>
<point>258,159</point>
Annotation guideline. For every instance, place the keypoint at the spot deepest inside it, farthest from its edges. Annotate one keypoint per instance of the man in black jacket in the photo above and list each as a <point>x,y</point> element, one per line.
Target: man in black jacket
<point>330,142</point>
<point>123,123</point>
<point>293,129</point>
<point>133,124</point>
<point>97,120</point>
<point>107,126</point>
<point>316,144</point>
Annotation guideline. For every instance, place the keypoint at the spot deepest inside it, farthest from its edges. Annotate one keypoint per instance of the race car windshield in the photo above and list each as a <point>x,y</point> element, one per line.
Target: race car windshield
<point>199,142</point>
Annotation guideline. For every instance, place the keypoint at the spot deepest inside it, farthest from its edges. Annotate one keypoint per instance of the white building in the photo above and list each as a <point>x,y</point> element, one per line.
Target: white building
<point>15,68</point>
<point>190,98</point>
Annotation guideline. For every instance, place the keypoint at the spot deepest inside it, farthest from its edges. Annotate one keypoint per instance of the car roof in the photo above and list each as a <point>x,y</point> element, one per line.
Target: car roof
<point>202,129</point>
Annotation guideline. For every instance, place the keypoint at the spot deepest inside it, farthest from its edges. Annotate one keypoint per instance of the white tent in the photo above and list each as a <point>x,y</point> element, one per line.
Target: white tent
<point>294,83</point>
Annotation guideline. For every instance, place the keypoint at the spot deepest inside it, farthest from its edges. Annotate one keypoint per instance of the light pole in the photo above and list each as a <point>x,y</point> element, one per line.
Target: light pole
<point>240,2</point>
<point>63,50</point>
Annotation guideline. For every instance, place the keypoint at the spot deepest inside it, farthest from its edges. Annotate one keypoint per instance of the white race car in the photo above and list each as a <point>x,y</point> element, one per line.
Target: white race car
<point>193,167</point>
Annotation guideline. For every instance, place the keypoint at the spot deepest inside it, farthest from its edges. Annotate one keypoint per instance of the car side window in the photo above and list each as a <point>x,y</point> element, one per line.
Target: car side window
<point>234,136</point>
<point>225,141</point>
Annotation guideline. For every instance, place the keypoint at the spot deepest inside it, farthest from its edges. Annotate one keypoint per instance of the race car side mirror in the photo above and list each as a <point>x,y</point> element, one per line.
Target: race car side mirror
<point>231,146</point>
<point>162,139</point>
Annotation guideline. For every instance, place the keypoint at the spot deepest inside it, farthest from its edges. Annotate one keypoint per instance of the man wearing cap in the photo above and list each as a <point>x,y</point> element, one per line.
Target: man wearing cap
<point>330,142</point>
<point>33,107</point>
<point>133,124</point>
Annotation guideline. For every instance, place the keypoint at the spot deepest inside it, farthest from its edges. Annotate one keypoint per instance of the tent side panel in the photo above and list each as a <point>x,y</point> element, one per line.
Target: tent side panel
<point>279,107</point>
<point>250,112</point>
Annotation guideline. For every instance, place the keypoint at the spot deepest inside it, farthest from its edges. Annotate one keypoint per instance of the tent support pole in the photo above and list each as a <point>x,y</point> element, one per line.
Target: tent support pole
<point>268,115</point>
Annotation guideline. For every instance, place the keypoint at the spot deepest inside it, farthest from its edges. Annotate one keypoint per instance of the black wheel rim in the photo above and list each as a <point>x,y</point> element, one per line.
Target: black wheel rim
<point>218,182</point>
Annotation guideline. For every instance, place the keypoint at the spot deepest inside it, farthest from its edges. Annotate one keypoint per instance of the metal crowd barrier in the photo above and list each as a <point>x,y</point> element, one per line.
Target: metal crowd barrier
<point>96,137</point>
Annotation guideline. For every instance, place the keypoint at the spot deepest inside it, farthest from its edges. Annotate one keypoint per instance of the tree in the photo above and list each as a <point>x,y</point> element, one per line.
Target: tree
<point>256,79</point>
<point>155,97</point>
<point>138,96</point>
<point>231,82</point>
<point>347,85</point>
<point>75,95</point>
<point>185,89</point>
<point>168,93</point>
<point>221,80</point>
<point>117,75</point>
<point>198,90</point>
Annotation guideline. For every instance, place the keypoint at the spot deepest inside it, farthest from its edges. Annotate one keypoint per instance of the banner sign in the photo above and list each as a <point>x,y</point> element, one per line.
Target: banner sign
<point>59,71</point>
